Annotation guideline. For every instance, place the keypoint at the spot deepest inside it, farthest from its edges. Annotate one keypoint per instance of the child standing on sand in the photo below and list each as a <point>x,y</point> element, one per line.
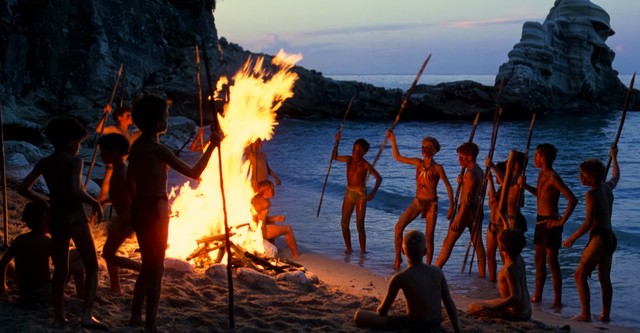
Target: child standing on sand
<point>424,287</point>
<point>356,195</point>
<point>602,241</point>
<point>428,174</point>
<point>149,163</point>
<point>549,223</point>
<point>62,172</point>
<point>114,149</point>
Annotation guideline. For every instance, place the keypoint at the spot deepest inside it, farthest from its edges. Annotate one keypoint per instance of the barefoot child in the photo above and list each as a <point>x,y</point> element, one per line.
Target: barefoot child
<point>513,303</point>
<point>270,230</point>
<point>602,241</point>
<point>114,149</point>
<point>471,189</point>
<point>62,172</point>
<point>260,169</point>
<point>428,174</point>
<point>549,223</point>
<point>424,287</point>
<point>149,163</point>
<point>356,195</point>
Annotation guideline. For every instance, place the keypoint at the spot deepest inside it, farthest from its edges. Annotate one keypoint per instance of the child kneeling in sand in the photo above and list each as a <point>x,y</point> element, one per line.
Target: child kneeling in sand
<point>419,283</point>
<point>512,283</point>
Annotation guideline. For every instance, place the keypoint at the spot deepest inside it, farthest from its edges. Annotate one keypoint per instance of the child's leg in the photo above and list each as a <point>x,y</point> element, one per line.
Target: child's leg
<point>152,249</point>
<point>361,211</point>
<point>81,235</point>
<point>365,318</point>
<point>604,275</point>
<point>347,211</point>
<point>541,272</point>
<point>114,262</point>
<point>556,276</point>
<point>480,253</point>
<point>407,216</point>
<point>430,224</point>
<point>492,245</point>
<point>60,258</point>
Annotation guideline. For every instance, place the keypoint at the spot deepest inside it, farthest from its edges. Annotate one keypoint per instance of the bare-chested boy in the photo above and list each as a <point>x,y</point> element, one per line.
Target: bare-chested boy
<point>260,169</point>
<point>602,241</point>
<point>261,203</point>
<point>62,172</point>
<point>468,208</point>
<point>549,224</point>
<point>428,174</point>
<point>356,195</point>
<point>513,303</point>
<point>496,223</point>
<point>149,163</point>
<point>114,149</point>
<point>425,289</point>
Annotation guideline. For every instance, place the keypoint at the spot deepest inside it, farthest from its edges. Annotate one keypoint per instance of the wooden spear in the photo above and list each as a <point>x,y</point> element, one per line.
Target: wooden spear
<point>479,211</point>
<point>526,157</point>
<point>463,169</point>
<point>333,151</point>
<point>622,119</point>
<point>104,121</point>
<point>402,106</point>
<point>5,215</point>
<point>215,126</point>
<point>199,141</point>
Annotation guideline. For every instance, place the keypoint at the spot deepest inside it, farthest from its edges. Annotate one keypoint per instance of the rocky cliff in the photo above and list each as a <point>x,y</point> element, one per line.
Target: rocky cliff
<point>62,56</point>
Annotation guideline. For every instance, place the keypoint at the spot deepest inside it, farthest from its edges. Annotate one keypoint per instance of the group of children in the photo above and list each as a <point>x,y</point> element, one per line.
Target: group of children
<point>505,232</point>
<point>138,192</point>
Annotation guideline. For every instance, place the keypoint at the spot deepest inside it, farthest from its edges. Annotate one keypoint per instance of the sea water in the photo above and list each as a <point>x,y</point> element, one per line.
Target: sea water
<point>300,150</point>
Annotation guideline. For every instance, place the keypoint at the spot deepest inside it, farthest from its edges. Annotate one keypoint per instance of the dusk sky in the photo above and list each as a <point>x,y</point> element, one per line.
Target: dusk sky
<point>394,37</point>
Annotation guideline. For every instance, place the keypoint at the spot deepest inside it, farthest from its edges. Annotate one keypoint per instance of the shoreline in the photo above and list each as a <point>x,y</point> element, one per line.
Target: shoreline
<point>361,282</point>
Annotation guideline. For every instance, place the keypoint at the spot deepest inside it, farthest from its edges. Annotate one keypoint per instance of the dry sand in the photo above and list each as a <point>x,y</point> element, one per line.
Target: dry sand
<point>196,300</point>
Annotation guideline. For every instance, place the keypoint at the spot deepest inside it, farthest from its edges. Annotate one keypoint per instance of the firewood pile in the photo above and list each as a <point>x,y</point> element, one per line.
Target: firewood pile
<point>240,257</point>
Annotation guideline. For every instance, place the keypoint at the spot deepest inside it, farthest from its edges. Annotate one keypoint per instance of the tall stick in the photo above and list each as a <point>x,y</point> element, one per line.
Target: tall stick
<point>526,158</point>
<point>216,126</point>
<point>335,147</point>
<point>5,214</point>
<point>479,210</point>
<point>200,137</point>
<point>624,116</point>
<point>104,121</point>
<point>402,106</point>
<point>463,169</point>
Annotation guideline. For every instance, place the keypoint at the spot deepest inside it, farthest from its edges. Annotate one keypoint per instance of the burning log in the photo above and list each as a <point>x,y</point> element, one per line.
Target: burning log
<point>263,264</point>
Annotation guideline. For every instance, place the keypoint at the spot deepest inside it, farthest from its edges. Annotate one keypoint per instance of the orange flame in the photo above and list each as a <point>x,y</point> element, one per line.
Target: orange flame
<point>255,94</point>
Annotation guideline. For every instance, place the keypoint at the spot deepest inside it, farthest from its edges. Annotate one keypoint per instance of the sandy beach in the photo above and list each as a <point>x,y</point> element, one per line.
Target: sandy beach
<point>196,300</point>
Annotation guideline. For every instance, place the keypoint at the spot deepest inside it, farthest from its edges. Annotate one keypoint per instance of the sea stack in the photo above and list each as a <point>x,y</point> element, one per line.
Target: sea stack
<point>562,64</point>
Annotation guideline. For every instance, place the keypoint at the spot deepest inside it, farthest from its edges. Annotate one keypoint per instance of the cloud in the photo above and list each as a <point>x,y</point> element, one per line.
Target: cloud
<point>469,24</point>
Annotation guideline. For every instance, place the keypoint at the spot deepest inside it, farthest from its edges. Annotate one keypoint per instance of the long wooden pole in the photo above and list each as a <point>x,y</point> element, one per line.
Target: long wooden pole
<point>479,210</point>
<point>622,119</point>
<point>216,126</point>
<point>104,121</point>
<point>335,148</point>
<point>463,169</point>
<point>526,158</point>
<point>5,202</point>
<point>402,107</point>
<point>200,138</point>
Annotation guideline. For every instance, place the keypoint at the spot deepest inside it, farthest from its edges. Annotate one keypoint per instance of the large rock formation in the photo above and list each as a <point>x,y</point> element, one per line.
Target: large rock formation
<point>562,64</point>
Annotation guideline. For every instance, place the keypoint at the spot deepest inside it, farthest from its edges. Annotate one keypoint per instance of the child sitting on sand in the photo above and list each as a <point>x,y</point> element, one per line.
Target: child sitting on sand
<point>512,283</point>
<point>261,203</point>
<point>424,287</point>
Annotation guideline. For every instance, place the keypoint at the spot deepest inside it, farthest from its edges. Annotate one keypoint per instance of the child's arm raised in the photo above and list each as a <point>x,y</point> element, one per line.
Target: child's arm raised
<point>169,157</point>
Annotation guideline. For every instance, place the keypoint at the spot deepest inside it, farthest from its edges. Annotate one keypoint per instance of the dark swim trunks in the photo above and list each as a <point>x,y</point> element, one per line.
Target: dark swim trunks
<point>548,238</point>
